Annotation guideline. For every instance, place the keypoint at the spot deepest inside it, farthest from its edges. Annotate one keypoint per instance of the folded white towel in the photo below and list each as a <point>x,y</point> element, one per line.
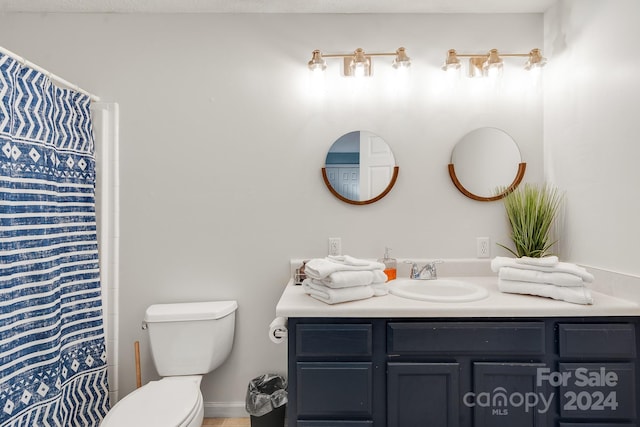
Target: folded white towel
<point>547,261</point>
<point>380,289</point>
<point>576,295</point>
<point>554,278</point>
<point>348,260</point>
<point>346,279</point>
<point>319,268</point>
<point>562,267</point>
<point>335,296</point>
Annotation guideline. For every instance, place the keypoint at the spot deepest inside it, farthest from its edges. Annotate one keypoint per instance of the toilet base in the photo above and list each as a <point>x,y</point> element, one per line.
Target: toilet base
<point>169,402</point>
<point>274,418</point>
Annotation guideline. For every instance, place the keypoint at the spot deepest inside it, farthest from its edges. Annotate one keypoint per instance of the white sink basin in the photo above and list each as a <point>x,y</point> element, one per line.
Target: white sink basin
<point>439,290</point>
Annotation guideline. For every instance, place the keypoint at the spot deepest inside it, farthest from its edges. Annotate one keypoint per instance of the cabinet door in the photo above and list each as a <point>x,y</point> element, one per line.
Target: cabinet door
<point>334,390</point>
<point>423,394</point>
<point>507,395</point>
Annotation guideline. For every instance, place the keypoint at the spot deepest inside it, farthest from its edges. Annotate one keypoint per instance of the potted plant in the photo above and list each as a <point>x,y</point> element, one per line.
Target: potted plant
<point>531,210</point>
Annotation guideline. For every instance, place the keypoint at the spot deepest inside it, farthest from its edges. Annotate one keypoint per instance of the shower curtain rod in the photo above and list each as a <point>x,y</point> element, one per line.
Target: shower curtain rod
<point>57,79</point>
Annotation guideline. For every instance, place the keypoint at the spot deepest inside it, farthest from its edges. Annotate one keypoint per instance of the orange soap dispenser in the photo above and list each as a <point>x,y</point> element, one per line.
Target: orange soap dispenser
<point>390,265</point>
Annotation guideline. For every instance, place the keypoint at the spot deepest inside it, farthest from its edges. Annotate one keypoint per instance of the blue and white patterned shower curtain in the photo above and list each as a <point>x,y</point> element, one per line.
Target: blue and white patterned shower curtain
<point>52,349</point>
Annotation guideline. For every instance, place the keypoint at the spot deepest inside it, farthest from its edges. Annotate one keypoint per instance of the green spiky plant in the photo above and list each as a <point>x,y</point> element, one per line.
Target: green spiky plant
<point>531,210</point>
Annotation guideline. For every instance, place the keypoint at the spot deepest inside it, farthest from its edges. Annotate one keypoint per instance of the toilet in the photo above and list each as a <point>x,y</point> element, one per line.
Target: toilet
<point>187,341</point>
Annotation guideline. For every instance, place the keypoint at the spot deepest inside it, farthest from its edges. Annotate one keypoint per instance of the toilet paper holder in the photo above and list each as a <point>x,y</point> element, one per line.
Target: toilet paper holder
<point>278,330</point>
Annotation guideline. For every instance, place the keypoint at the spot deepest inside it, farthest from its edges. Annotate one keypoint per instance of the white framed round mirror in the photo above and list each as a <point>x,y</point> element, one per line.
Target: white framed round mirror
<point>485,160</point>
<point>360,168</point>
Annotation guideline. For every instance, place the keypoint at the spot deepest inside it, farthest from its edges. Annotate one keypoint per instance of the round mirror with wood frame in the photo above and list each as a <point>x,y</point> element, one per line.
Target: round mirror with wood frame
<point>360,168</point>
<point>485,160</point>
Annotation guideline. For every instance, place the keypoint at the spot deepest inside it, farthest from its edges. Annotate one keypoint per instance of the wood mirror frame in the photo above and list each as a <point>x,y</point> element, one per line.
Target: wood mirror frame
<point>394,177</point>
<point>519,175</point>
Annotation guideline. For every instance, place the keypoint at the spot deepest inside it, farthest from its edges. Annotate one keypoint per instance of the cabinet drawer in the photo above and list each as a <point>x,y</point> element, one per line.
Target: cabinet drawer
<point>334,340</point>
<point>334,390</point>
<point>607,340</point>
<point>447,338</point>
<point>598,391</point>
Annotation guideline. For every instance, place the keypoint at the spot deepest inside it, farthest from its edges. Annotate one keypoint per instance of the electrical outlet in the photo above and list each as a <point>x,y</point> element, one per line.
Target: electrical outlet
<point>335,246</point>
<point>482,247</point>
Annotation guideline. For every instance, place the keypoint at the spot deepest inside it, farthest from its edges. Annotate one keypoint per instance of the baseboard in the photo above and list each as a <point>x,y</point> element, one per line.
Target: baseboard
<point>225,410</point>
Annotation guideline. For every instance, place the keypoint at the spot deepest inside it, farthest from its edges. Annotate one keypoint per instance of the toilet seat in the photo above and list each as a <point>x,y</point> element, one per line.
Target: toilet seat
<point>169,402</point>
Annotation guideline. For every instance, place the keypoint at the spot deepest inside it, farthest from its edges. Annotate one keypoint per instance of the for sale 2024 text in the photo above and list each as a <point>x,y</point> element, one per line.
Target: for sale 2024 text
<point>594,392</point>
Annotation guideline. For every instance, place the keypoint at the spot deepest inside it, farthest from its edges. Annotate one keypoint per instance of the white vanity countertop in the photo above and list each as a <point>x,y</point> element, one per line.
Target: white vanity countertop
<point>295,303</point>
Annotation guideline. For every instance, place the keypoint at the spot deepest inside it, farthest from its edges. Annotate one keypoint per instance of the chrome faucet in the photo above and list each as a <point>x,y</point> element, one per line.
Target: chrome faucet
<point>426,272</point>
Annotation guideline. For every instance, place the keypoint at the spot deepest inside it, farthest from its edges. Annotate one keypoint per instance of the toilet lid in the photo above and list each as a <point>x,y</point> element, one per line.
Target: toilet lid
<point>168,402</point>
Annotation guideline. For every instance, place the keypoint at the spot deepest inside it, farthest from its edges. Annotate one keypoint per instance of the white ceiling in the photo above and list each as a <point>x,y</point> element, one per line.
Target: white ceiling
<point>278,6</point>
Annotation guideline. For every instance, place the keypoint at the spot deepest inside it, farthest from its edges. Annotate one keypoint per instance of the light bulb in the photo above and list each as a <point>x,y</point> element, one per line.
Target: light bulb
<point>401,61</point>
<point>317,63</point>
<point>360,65</point>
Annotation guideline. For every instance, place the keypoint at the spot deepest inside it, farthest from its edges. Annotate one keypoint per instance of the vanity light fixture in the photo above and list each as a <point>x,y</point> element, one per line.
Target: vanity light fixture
<point>489,64</point>
<point>536,60</point>
<point>358,63</point>
<point>452,63</point>
<point>317,63</point>
<point>401,60</point>
<point>492,67</point>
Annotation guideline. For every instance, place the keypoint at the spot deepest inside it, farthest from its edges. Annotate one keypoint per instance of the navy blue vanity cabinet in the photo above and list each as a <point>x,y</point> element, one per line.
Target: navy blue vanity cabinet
<point>480,372</point>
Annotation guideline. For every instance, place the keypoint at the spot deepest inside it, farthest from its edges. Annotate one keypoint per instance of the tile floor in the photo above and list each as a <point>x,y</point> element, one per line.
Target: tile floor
<point>226,422</point>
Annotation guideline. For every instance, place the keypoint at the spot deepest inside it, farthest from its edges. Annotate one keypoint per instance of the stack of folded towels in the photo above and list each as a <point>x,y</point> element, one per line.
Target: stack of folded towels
<point>337,279</point>
<point>546,277</point>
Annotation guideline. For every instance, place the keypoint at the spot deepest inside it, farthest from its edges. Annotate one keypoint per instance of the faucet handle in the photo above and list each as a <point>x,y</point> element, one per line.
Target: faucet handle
<point>413,273</point>
<point>432,267</point>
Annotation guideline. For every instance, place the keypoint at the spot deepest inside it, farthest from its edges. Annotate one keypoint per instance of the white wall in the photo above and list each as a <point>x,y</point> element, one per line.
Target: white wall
<point>222,145</point>
<point>592,88</point>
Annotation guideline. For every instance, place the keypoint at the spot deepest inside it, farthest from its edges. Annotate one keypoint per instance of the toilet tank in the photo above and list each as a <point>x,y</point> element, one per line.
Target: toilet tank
<point>190,338</point>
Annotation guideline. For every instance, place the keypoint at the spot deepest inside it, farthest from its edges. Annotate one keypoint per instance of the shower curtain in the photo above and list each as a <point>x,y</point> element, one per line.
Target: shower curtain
<point>52,349</point>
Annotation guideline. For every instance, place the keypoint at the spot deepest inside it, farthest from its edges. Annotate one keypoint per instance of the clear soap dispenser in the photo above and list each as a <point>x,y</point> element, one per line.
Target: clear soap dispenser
<point>390,265</point>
